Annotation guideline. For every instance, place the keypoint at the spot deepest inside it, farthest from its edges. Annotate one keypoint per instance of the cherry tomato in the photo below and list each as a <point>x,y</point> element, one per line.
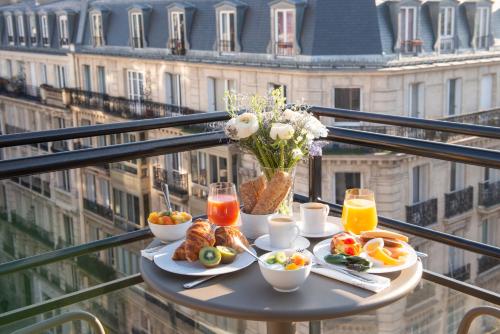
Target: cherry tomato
<point>349,241</point>
<point>349,251</point>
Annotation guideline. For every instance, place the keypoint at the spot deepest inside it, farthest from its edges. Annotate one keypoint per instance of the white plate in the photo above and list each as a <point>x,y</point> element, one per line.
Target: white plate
<point>263,242</point>
<point>165,262</point>
<point>331,228</point>
<point>323,248</point>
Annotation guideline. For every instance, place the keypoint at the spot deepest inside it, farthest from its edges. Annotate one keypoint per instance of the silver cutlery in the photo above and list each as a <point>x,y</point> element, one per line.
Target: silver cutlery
<point>192,284</point>
<point>421,255</point>
<point>351,273</point>
<point>166,194</point>
<point>242,246</point>
<point>154,249</point>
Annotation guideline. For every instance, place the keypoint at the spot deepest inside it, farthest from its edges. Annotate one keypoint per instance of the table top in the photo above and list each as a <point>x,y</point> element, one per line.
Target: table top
<point>246,295</point>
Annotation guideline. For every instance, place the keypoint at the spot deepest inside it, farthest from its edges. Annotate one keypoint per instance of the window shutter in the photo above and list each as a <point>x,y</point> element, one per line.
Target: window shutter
<point>168,88</point>
<point>211,94</point>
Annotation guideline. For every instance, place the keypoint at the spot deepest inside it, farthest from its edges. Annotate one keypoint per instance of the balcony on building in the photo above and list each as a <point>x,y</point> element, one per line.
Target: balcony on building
<point>423,213</point>
<point>64,42</point>
<point>461,273</point>
<point>177,46</point>
<point>485,263</point>
<point>458,202</point>
<point>33,40</point>
<point>97,41</point>
<point>226,46</point>
<point>99,209</point>
<point>284,49</point>
<point>412,46</point>
<point>177,182</point>
<point>489,193</point>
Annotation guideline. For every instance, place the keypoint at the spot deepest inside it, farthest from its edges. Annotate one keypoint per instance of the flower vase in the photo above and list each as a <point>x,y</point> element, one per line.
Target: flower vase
<point>286,205</point>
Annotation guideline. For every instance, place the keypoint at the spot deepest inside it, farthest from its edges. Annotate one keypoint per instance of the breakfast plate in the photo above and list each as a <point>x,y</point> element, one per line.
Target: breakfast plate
<point>165,262</point>
<point>332,227</point>
<point>264,243</point>
<point>322,249</point>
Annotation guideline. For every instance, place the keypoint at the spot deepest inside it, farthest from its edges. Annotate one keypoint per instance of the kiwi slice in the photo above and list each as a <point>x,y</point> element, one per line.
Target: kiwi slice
<point>209,257</point>
<point>271,259</point>
<point>280,257</point>
<point>228,254</point>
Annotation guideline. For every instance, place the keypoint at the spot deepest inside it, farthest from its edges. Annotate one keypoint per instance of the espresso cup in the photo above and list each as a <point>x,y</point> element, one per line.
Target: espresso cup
<point>282,231</point>
<point>314,216</point>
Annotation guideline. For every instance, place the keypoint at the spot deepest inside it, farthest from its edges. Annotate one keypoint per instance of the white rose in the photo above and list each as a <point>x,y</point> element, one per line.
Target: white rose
<point>281,131</point>
<point>231,130</point>
<point>246,125</point>
<point>290,115</point>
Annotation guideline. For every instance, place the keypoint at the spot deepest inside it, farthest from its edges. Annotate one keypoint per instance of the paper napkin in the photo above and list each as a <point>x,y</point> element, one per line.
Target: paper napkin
<point>380,282</point>
<point>151,254</point>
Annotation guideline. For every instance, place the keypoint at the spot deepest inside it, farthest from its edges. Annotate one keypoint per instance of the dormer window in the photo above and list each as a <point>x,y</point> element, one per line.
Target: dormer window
<point>137,28</point>
<point>176,42</point>
<point>97,29</point>
<point>227,31</point>
<point>45,31</point>
<point>482,27</point>
<point>408,29</point>
<point>21,37</point>
<point>63,31</point>
<point>284,32</point>
<point>10,29</point>
<point>33,30</point>
<point>446,28</point>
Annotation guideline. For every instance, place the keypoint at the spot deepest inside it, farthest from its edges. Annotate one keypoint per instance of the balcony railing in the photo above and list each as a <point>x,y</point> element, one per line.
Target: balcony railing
<point>489,193</point>
<point>21,39</point>
<point>60,146</point>
<point>461,273</point>
<point>411,46</point>
<point>10,39</point>
<point>177,46</point>
<point>284,49</point>
<point>226,46</point>
<point>177,181</point>
<point>422,213</point>
<point>485,263</point>
<point>458,202</point>
<point>64,41</point>
<point>99,209</point>
<point>446,45</point>
<point>482,42</point>
<point>17,87</point>
<point>33,40</point>
<point>97,41</point>
<point>45,41</point>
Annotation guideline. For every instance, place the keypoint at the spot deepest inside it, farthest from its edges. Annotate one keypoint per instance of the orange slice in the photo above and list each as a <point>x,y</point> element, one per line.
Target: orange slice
<point>381,254</point>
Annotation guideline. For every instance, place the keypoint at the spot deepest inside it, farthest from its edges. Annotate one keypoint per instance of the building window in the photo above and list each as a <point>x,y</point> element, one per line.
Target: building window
<point>272,86</point>
<point>407,28</point>
<point>344,181</point>
<point>90,191</point>
<point>64,180</point>
<point>101,79</point>
<point>10,29</point>
<point>61,76</point>
<point>416,100</point>
<point>63,31</point>
<point>68,230</point>
<point>218,169</point>
<point>227,31</point>
<point>284,32</point>
<point>446,28</point>
<point>126,206</point>
<point>33,30</point>
<point>87,141</point>
<point>97,31</point>
<point>20,30</point>
<point>482,27</point>
<point>457,176</point>
<point>486,101</point>
<point>485,232</point>
<point>216,91</point>
<point>177,44</point>
<point>420,190</point>
<point>137,27</point>
<point>43,74</point>
<point>199,168</point>
<point>173,89</point>
<point>135,86</point>
<point>87,81</point>
<point>8,68</point>
<point>45,31</point>
<point>454,98</point>
<point>347,98</point>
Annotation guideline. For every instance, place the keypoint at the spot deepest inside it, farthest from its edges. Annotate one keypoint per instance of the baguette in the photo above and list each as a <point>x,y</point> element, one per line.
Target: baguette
<point>251,191</point>
<point>383,234</point>
<point>274,194</point>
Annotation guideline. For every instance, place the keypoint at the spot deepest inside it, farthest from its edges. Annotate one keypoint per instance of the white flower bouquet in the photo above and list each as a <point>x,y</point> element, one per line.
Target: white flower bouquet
<point>279,137</point>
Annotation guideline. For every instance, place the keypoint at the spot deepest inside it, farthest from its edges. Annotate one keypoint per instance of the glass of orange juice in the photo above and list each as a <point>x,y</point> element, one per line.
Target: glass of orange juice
<point>359,212</point>
<point>223,208</point>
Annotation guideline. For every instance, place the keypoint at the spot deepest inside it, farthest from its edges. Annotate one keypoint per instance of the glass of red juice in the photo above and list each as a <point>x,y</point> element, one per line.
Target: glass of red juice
<point>223,208</point>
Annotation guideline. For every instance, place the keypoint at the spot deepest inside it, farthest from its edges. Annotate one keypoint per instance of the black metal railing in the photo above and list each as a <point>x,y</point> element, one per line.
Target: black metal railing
<point>97,41</point>
<point>284,49</point>
<point>45,41</point>
<point>10,39</point>
<point>461,273</point>
<point>485,263</point>
<point>446,45</point>
<point>99,209</point>
<point>489,193</point>
<point>411,46</point>
<point>226,46</point>
<point>422,213</point>
<point>21,39</point>
<point>177,46</point>
<point>177,181</point>
<point>33,40</point>
<point>458,202</point>
<point>64,41</point>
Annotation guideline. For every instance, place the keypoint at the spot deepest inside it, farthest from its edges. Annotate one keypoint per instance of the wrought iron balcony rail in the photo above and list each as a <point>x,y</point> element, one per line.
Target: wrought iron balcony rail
<point>458,202</point>
<point>88,157</point>
<point>411,46</point>
<point>97,41</point>
<point>461,273</point>
<point>64,41</point>
<point>422,213</point>
<point>177,46</point>
<point>489,193</point>
<point>177,181</point>
<point>33,40</point>
<point>485,263</point>
<point>284,49</point>
<point>21,39</point>
<point>226,45</point>
<point>45,41</point>
<point>10,39</point>
<point>99,209</point>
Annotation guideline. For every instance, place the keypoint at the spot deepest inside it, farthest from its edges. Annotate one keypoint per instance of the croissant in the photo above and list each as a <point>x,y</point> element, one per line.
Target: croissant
<point>228,236</point>
<point>180,253</point>
<point>198,235</point>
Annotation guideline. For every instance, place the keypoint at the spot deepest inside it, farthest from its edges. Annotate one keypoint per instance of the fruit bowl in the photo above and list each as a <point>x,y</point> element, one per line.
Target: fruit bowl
<point>285,280</point>
<point>169,233</point>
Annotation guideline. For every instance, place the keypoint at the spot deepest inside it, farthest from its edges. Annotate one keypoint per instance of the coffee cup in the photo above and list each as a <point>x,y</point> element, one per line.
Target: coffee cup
<point>313,216</point>
<point>283,231</point>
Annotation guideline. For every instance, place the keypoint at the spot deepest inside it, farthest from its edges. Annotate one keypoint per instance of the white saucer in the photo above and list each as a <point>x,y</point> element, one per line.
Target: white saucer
<point>264,243</point>
<point>331,227</point>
